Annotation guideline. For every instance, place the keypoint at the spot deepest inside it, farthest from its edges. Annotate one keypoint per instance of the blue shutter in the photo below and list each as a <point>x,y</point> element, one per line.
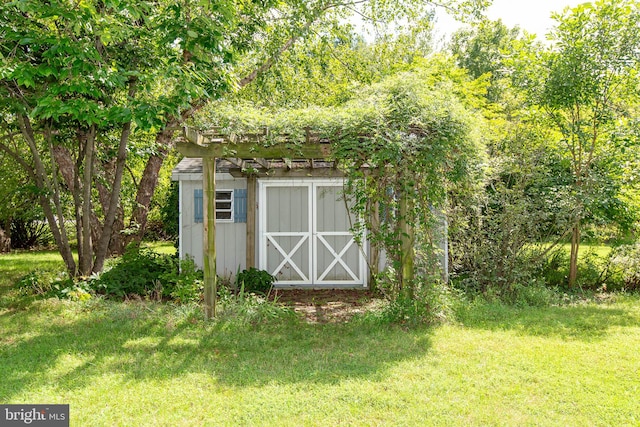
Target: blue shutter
<point>240,205</point>
<point>197,206</point>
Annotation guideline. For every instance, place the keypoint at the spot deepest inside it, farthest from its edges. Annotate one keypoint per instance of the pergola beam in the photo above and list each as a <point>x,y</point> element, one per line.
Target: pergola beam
<point>293,173</point>
<point>197,144</point>
<point>262,162</point>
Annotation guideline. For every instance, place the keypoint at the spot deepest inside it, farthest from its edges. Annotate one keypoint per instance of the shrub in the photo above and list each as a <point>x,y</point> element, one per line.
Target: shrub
<point>254,280</point>
<point>143,272</point>
<point>594,271</point>
<point>34,283</point>
<point>75,291</point>
<point>531,294</point>
<point>184,284</point>
<point>624,268</point>
<point>48,284</point>
<point>429,300</point>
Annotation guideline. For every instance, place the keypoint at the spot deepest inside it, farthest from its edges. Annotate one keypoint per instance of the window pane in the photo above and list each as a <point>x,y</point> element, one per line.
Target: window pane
<point>224,205</point>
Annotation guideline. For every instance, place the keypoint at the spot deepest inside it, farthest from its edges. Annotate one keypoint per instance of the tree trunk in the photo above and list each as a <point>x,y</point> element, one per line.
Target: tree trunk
<point>69,171</point>
<point>86,261</point>
<point>148,183</point>
<point>43,184</point>
<point>573,260</point>
<point>110,216</point>
<point>5,241</point>
<point>116,243</point>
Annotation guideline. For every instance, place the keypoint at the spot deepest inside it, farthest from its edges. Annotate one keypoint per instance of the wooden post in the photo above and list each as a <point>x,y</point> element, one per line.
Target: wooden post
<point>374,251</point>
<point>251,221</point>
<point>209,246</point>
<point>407,251</point>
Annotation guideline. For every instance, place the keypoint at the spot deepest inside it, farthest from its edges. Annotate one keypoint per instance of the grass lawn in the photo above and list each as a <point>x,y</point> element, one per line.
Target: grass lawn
<point>141,363</point>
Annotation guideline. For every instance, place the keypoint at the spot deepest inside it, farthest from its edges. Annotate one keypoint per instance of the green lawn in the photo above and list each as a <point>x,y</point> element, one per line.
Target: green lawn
<point>148,364</point>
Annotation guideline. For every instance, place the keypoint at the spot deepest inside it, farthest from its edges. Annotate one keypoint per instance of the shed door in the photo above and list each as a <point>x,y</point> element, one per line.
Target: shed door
<point>305,237</point>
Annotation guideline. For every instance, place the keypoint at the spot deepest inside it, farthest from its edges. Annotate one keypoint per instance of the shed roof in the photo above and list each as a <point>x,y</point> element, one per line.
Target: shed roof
<point>261,167</point>
<point>188,165</point>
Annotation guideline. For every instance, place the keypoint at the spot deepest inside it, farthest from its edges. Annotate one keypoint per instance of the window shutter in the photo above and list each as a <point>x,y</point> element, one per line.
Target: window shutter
<point>197,206</point>
<point>240,205</point>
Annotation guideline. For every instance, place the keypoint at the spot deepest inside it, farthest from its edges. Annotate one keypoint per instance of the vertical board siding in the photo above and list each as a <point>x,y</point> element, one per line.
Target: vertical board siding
<point>230,236</point>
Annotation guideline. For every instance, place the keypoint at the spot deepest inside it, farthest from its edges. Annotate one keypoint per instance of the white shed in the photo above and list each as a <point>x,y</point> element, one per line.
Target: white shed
<point>297,228</point>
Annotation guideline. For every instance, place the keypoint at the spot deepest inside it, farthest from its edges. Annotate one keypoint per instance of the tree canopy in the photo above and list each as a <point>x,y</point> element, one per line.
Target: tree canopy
<point>79,80</point>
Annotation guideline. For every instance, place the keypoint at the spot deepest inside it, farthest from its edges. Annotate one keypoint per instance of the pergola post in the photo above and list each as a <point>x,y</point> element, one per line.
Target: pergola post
<point>209,244</point>
<point>407,252</point>
<point>251,222</point>
<point>374,258</point>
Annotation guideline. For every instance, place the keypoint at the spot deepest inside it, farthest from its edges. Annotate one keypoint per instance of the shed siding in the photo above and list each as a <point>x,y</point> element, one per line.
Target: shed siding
<point>230,237</point>
<point>288,212</point>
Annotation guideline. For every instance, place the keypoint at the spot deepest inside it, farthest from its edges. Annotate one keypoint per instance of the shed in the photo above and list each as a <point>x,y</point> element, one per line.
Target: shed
<point>288,217</point>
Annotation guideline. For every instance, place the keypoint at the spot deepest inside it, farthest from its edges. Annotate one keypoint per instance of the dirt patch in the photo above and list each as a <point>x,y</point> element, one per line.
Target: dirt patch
<point>327,305</point>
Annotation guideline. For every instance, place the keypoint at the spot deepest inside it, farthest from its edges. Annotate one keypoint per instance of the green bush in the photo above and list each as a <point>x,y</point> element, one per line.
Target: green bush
<point>624,268</point>
<point>143,272</point>
<point>184,284</point>
<point>532,294</point>
<point>594,271</point>
<point>429,301</point>
<point>33,283</point>
<point>48,284</point>
<point>254,280</point>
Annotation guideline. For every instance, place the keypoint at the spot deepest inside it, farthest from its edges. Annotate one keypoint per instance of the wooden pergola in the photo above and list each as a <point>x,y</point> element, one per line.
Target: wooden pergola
<point>259,148</point>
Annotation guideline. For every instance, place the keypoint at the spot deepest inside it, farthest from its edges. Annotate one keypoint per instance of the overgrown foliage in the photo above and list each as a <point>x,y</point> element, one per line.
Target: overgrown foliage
<point>144,273</point>
<point>560,158</point>
<point>79,82</point>
<point>401,143</point>
<point>586,84</point>
<point>254,280</point>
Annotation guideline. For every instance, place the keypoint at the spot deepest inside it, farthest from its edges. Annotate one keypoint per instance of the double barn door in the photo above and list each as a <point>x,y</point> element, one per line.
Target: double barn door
<point>304,234</point>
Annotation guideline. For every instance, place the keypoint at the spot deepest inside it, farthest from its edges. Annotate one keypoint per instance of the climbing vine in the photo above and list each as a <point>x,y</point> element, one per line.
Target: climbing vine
<point>401,144</point>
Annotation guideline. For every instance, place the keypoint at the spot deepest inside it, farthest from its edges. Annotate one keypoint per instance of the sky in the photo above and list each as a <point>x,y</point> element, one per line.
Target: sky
<point>534,16</point>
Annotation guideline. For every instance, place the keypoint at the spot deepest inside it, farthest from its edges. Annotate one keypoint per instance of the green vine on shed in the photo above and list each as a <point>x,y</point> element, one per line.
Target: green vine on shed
<point>401,144</point>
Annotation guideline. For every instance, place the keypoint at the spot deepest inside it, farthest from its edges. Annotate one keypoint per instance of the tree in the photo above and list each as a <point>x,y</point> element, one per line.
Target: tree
<point>79,80</point>
<point>481,51</point>
<point>334,63</point>
<point>590,84</point>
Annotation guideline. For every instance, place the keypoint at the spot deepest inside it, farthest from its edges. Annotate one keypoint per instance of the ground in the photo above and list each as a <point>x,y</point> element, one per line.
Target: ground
<point>327,305</point>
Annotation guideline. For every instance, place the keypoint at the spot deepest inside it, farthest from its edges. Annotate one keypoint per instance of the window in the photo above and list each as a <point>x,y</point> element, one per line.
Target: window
<point>224,205</point>
<point>231,205</point>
